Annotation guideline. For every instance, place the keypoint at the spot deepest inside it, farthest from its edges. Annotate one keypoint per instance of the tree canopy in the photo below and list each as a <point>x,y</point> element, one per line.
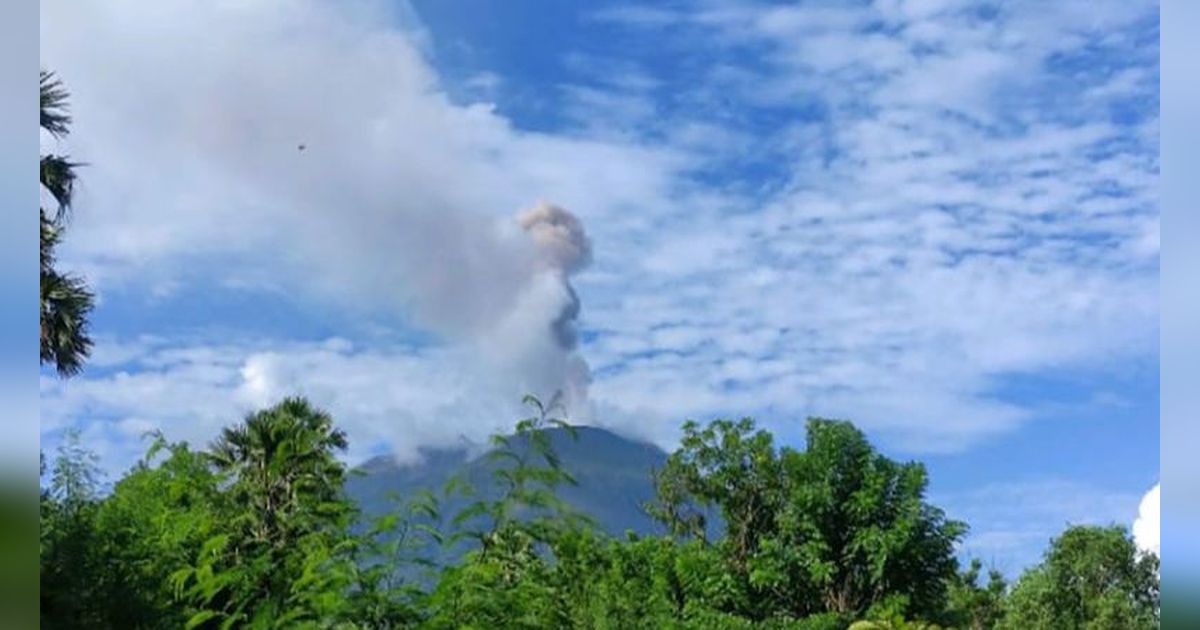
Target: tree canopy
<point>256,531</point>
<point>1092,578</point>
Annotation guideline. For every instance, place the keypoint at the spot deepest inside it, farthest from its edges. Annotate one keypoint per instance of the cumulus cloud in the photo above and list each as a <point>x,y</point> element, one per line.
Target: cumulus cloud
<point>959,205</point>
<point>398,401</point>
<point>1146,526</point>
<point>315,147</point>
<point>951,200</point>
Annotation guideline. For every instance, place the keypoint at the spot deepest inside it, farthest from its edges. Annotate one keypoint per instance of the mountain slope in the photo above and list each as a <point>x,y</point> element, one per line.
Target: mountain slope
<point>614,476</point>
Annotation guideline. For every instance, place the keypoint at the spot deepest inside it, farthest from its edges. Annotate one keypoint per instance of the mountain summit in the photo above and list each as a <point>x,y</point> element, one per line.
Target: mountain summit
<point>614,475</point>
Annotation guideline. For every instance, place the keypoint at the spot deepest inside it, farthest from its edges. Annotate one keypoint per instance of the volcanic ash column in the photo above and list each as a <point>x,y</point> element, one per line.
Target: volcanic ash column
<point>562,248</point>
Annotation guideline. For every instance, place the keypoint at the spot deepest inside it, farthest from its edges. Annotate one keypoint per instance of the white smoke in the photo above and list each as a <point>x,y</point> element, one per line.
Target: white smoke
<point>314,152</point>
<point>500,291</point>
<point>1146,527</point>
<point>561,242</point>
<point>563,248</point>
<point>534,336</point>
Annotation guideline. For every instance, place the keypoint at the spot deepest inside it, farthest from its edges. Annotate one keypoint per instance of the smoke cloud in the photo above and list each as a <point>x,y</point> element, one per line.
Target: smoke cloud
<point>563,248</point>
<point>534,336</point>
<point>561,242</point>
<point>314,153</point>
<point>499,290</point>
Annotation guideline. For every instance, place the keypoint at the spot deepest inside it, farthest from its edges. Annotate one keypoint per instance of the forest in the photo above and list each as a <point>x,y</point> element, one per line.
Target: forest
<point>255,530</point>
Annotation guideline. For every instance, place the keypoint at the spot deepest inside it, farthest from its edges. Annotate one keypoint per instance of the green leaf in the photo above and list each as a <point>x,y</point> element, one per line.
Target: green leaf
<point>199,618</point>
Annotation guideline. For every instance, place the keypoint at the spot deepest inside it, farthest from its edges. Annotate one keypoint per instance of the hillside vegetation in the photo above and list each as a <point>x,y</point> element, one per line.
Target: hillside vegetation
<point>258,530</point>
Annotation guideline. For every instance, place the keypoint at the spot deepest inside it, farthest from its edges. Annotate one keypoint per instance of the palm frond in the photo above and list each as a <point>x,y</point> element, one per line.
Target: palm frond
<point>54,116</point>
<point>58,178</point>
<point>66,303</point>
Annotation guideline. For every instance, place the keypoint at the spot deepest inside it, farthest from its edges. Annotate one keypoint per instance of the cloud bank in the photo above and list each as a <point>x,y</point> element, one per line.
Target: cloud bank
<point>314,148</point>
<point>878,212</point>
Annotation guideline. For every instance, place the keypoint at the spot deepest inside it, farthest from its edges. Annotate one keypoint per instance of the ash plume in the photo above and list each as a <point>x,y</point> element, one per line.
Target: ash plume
<point>561,248</point>
<point>561,241</point>
<point>500,291</point>
<point>383,204</point>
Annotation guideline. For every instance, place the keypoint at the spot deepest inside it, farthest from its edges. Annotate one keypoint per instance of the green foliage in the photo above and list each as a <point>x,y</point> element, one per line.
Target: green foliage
<point>278,559</point>
<point>973,606</point>
<point>617,584</point>
<point>836,528</point>
<point>69,562</point>
<point>66,302</point>
<point>895,622</point>
<point>379,594</point>
<point>528,472</point>
<point>255,532</point>
<point>862,526</point>
<point>149,528</point>
<point>1092,578</point>
<point>506,585</point>
<point>282,466</point>
<point>506,582</point>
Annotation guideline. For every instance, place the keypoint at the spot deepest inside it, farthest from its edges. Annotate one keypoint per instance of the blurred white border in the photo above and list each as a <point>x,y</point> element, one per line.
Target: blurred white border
<point>18,249</point>
<point>1180,276</point>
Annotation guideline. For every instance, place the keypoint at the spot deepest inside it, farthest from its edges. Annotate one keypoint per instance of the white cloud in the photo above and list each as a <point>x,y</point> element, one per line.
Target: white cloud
<point>315,146</point>
<point>1146,526</point>
<point>940,227</point>
<point>399,396</point>
<point>935,229</point>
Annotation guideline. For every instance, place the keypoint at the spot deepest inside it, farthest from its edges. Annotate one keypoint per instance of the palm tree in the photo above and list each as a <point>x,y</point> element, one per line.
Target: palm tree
<point>282,468</point>
<point>66,301</point>
<point>286,487</point>
<point>287,519</point>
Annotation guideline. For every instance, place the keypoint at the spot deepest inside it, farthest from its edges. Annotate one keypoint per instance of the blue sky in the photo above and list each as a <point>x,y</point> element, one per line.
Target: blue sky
<point>938,219</point>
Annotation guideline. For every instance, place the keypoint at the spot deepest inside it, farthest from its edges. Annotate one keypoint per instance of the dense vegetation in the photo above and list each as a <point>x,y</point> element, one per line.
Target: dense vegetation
<point>256,531</point>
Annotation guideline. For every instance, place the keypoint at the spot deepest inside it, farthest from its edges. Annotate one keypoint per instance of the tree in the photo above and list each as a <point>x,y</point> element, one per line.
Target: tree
<point>837,528</point>
<point>255,532</point>
<point>66,302</point>
<point>70,562</point>
<point>283,468</point>
<point>973,606</point>
<point>1092,578</point>
<point>527,471</point>
<point>507,581</point>
<point>856,526</point>
<point>726,464</point>
<point>153,524</point>
<point>278,559</point>
<point>382,594</point>
<point>893,623</point>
